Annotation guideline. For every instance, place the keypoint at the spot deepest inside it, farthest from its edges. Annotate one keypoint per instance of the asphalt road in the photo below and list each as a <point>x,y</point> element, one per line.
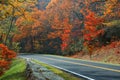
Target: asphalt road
<point>87,69</point>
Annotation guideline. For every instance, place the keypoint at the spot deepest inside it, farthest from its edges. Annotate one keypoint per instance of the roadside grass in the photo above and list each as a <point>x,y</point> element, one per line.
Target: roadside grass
<point>16,71</point>
<point>59,72</point>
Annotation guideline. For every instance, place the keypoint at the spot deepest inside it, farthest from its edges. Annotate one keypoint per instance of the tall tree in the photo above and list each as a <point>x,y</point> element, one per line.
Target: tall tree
<point>12,9</point>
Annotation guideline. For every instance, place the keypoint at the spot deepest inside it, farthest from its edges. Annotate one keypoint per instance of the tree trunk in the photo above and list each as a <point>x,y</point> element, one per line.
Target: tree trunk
<point>11,24</point>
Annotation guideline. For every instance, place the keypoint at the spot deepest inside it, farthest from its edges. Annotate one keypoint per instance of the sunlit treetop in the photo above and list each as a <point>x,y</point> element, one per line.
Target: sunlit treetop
<point>14,7</point>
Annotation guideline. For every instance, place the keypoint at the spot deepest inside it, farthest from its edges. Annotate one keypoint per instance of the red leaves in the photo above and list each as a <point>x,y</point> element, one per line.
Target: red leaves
<point>65,35</point>
<point>91,21</point>
<point>65,38</point>
<point>67,31</point>
<point>87,37</point>
<point>6,56</point>
<point>92,35</point>
<point>115,44</point>
<point>91,32</point>
<point>11,55</point>
<point>3,66</point>
<point>63,46</point>
<point>90,28</point>
<point>2,46</point>
<point>3,63</point>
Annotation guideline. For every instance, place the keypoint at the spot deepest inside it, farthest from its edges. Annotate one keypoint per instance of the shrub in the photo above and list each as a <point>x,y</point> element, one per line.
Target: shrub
<point>6,56</point>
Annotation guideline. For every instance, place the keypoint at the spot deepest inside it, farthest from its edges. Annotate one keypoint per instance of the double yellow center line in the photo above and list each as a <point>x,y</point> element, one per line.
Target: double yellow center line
<point>81,64</point>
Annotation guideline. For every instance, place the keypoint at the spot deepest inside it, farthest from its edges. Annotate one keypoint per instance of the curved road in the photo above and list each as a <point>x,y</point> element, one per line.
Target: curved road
<point>86,69</point>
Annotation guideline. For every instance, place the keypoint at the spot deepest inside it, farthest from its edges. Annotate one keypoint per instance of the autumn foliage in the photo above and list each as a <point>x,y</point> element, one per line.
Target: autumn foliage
<point>6,56</point>
<point>91,32</point>
<point>65,36</point>
<point>114,46</point>
<point>91,23</point>
<point>63,26</point>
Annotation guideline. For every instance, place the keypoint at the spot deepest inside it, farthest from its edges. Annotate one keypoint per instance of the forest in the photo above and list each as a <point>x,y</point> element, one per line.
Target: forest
<point>62,27</point>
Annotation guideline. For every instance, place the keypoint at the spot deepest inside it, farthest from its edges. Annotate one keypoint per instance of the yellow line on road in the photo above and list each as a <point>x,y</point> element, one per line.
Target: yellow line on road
<point>70,58</point>
<point>81,64</point>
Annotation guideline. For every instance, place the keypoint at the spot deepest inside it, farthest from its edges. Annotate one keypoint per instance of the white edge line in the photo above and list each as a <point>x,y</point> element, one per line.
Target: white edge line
<point>68,71</point>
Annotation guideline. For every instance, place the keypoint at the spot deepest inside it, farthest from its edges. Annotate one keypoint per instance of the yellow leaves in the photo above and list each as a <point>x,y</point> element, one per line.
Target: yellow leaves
<point>28,16</point>
<point>107,11</point>
<point>19,7</point>
<point>110,5</point>
<point>17,13</point>
<point>114,1</point>
<point>1,7</point>
<point>112,23</point>
<point>5,10</point>
<point>31,1</point>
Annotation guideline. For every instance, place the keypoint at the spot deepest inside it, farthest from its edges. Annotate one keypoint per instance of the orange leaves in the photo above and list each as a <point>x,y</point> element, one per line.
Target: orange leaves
<point>66,24</point>
<point>6,56</point>
<point>65,37</point>
<point>31,25</point>
<point>115,44</point>
<point>91,21</point>
<point>114,47</point>
<point>92,35</point>
<point>2,46</point>
<point>54,34</point>
<point>87,37</point>
<point>67,31</point>
<point>63,28</point>
<point>11,55</point>
<point>63,46</point>
<point>91,32</point>
<point>90,28</point>
<point>3,63</point>
<point>109,6</point>
<point>3,66</point>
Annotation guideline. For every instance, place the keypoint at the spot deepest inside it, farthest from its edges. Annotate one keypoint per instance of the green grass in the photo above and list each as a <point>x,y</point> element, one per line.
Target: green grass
<point>61,73</point>
<point>16,71</point>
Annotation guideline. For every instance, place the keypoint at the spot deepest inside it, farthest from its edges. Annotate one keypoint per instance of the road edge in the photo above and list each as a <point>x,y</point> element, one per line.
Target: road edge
<point>74,73</point>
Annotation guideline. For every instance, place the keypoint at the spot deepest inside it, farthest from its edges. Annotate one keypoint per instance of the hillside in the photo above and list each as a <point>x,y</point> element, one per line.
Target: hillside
<point>61,27</point>
<point>108,54</point>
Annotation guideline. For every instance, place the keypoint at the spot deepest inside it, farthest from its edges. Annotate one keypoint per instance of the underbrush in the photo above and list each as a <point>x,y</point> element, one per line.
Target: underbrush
<point>108,54</point>
<point>16,71</point>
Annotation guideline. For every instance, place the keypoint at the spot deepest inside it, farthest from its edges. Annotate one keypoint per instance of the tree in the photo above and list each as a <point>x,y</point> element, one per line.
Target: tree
<point>111,11</point>
<point>6,56</point>
<point>12,10</point>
